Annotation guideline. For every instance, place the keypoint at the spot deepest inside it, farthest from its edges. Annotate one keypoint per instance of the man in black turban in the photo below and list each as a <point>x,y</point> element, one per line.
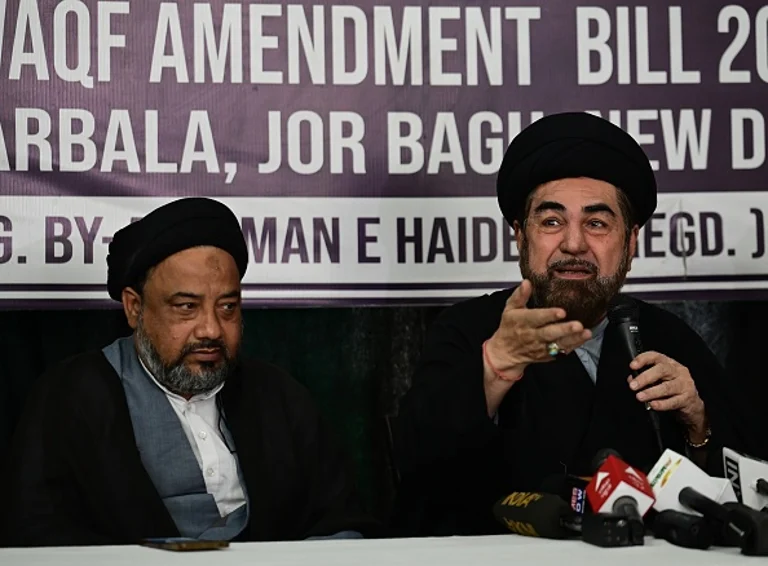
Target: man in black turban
<point>170,432</point>
<point>518,390</point>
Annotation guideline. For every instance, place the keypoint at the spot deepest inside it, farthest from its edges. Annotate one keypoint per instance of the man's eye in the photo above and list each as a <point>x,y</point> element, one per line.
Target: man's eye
<point>185,306</point>
<point>551,222</point>
<point>597,224</point>
<point>229,306</point>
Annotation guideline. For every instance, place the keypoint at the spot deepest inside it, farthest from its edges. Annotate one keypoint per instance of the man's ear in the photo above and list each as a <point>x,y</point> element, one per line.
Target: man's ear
<point>131,306</point>
<point>519,233</point>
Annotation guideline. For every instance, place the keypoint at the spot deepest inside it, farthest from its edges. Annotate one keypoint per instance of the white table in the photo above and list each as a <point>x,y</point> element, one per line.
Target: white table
<point>504,550</point>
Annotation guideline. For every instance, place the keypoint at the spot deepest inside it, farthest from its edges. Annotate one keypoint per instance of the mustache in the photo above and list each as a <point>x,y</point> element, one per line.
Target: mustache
<point>563,264</point>
<point>205,344</point>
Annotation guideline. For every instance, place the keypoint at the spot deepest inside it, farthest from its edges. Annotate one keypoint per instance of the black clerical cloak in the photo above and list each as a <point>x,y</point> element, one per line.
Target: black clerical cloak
<point>455,462</point>
<point>75,475</point>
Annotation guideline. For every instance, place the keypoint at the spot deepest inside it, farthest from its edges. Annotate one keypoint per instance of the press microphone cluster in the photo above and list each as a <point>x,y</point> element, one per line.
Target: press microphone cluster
<point>620,494</point>
<point>693,510</point>
<point>624,314</point>
<point>714,514</point>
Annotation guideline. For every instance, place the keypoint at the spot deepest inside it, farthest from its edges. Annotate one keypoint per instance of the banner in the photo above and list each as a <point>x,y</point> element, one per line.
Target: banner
<point>359,143</point>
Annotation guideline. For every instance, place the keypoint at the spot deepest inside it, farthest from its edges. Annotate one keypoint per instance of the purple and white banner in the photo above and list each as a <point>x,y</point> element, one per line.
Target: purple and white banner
<point>359,142</point>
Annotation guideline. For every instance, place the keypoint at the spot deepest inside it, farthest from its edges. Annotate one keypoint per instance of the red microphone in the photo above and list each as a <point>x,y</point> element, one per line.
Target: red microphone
<point>619,488</point>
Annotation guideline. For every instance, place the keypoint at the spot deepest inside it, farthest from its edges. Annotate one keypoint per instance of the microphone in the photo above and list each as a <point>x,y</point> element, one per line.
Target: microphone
<point>738,525</point>
<point>709,508</point>
<point>537,515</point>
<point>754,541</point>
<point>749,477</point>
<point>674,472</point>
<point>618,487</point>
<point>731,465</point>
<point>548,516</point>
<point>681,529</point>
<point>624,314</point>
<point>570,488</point>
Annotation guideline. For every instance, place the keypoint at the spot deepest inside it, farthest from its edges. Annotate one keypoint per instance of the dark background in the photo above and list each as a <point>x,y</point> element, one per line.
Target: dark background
<point>357,362</point>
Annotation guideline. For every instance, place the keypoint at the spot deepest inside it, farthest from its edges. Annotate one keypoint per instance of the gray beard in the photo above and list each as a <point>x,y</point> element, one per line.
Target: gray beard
<point>176,377</point>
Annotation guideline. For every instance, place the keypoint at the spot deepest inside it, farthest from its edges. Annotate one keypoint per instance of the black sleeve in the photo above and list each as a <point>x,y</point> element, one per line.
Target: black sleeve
<point>444,414</point>
<point>449,452</point>
<point>77,478</point>
<point>43,506</point>
<point>730,418</point>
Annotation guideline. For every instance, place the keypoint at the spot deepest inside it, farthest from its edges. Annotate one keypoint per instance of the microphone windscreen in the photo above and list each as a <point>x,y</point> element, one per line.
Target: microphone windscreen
<point>534,514</point>
<point>601,456</point>
<point>623,309</point>
<point>682,529</point>
<point>570,488</point>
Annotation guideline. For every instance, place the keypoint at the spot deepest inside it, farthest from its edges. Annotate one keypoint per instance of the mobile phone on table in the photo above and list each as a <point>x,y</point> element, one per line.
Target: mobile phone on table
<point>184,544</point>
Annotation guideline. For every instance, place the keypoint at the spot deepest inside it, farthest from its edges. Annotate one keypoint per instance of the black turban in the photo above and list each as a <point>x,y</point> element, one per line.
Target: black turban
<point>172,228</point>
<point>574,144</point>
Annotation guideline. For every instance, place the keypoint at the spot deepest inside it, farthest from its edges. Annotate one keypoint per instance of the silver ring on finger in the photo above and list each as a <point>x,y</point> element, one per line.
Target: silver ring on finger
<point>554,350</point>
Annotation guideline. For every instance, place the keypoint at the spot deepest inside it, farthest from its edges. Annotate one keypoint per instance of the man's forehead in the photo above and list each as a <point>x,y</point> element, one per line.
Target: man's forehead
<point>197,266</point>
<point>191,258</point>
<point>575,193</point>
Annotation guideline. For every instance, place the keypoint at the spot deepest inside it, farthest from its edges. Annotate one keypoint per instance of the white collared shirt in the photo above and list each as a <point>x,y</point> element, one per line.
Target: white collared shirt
<point>199,418</point>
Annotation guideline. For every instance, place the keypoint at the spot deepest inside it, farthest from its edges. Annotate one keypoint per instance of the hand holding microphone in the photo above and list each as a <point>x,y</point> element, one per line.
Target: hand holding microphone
<point>660,382</point>
<point>668,386</point>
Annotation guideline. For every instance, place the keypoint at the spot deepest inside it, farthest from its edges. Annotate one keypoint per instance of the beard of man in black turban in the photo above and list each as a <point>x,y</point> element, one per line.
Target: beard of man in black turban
<point>176,376</point>
<point>585,300</point>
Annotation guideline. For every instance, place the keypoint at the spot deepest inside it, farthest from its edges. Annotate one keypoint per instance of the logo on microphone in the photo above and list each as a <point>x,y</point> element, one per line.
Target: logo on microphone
<point>521,528</point>
<point>578,500</point>
<point>665,472</point>
<point>601,476</point>
<point>521,499</point>
<point>732,473</point>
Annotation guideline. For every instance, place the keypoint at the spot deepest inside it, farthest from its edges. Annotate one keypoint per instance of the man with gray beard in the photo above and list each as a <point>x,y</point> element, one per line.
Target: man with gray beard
<point>170,432</point>
<point>521,388</point>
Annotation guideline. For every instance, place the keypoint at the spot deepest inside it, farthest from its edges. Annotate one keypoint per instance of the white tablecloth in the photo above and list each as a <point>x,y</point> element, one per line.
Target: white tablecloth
<point>504,550</point>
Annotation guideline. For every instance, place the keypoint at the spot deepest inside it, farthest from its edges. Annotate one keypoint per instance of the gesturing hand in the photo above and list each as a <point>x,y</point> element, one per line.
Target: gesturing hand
<point>524,334</point>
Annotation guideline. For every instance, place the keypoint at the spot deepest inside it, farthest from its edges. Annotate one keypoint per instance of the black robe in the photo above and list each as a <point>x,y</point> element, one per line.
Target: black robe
<point>75,476</point>
<point>455,462</point>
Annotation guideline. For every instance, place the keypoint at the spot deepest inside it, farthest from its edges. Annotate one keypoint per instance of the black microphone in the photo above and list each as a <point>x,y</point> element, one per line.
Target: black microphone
<point>709,508</point>
<point>570,488</point>
<point>537,515</point>
<point>681,529</point>
<point>738,525</point>
<point>761,486</point>
<point>624,314</point>
<point>754,524</point>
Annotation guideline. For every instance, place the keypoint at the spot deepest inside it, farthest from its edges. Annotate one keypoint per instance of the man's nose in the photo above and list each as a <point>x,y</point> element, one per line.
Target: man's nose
<point>574,242</point>
<point>209,325</point>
